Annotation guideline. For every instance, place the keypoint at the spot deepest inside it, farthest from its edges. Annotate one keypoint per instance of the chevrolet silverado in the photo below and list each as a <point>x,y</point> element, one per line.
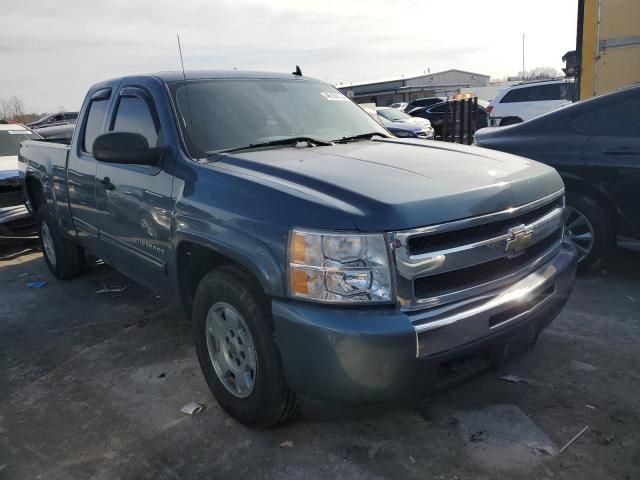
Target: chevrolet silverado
<point>317,255</point>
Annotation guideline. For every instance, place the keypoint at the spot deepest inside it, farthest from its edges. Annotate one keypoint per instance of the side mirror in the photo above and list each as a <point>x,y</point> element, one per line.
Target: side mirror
<point>125,147</point>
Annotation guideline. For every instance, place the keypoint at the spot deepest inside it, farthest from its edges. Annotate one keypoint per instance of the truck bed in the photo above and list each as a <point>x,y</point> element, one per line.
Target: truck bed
<point>48,162</point>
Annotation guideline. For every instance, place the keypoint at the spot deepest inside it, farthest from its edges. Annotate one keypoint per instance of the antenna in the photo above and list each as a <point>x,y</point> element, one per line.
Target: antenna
<point>298,72</point>
<point>186,91</point>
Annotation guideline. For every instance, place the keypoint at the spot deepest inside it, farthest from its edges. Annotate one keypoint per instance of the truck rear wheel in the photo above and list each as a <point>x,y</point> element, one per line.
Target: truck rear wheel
<point>237,350</point>
<point>64,258</point>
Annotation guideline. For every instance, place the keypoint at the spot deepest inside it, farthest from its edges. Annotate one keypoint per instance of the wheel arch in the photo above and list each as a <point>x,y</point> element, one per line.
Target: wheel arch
<point>34,193</point>
<point>578,185</point>
<point>196,255</point>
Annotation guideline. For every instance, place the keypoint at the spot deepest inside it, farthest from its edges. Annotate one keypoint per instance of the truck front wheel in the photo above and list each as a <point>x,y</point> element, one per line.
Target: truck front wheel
<point>237,350</point>
<point>64,258</point>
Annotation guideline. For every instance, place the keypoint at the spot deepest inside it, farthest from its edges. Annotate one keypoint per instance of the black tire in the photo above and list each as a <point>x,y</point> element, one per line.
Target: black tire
<point>603,232</point>
<point>510,121</point>
<point>69,257</point>
<point>270,401</point>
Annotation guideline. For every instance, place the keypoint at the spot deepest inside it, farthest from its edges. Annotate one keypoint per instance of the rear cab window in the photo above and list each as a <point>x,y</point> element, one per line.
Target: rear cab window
<point>96,117</point>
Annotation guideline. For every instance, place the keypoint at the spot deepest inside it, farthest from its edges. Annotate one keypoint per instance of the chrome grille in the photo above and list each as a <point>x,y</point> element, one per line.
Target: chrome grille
<point>444,263</point>
<point>454,238</point>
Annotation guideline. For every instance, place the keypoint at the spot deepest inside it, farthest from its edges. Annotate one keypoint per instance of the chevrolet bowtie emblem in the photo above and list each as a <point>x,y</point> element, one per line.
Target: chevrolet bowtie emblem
<point>519,240</point>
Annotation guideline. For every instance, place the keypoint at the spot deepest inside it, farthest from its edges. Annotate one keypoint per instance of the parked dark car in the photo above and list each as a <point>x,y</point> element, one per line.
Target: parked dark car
<point>55,119</point>
<point>423,102</point>
<point>595,145</point>
<point>437,115</point>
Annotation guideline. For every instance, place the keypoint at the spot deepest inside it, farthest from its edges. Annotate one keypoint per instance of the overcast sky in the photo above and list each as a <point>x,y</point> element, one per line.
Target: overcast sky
<point>52,51</point>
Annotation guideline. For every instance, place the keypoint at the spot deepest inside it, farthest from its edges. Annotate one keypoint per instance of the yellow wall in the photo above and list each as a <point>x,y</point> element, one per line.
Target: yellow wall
<point>611,68</point>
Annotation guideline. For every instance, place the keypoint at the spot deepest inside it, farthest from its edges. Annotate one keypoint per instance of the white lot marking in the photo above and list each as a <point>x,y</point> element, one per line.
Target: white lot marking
<point>584,367</point>
<point>502,437</point>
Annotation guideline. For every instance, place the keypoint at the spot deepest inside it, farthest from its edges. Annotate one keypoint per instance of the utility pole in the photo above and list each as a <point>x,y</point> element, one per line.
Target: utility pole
<point>523,58</point>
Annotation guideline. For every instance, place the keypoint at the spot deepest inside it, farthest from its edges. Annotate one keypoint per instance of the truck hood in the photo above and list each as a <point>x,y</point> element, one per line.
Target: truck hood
<point>396,184</point>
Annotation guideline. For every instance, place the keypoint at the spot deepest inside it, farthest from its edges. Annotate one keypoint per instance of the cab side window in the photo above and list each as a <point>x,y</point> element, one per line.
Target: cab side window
<point>134,116</point>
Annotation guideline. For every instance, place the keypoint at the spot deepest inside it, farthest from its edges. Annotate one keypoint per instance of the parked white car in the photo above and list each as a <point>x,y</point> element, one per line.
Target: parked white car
<point>399,105</point>
<point>525,101</point>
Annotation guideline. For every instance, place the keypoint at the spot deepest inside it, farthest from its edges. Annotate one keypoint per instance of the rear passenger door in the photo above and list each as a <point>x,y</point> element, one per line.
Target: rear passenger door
<point>134,202</point>
<point>81,170</point>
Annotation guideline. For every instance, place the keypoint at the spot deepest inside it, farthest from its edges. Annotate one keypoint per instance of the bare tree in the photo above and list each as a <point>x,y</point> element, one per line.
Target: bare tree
<point>16,107</point>
<point>11,108</point>
<point>4,109</point>
<point>539,73</point>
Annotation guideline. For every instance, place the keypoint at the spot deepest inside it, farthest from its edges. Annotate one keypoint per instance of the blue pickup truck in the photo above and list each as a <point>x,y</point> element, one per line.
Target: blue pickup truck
<point>317,255</point>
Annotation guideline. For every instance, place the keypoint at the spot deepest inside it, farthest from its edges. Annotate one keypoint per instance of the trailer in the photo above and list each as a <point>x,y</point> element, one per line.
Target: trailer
<point>607,55</point>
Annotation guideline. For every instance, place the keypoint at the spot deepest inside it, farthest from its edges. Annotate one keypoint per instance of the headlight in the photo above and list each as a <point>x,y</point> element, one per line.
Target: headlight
<point>403,133</point>
<point>339,268</point>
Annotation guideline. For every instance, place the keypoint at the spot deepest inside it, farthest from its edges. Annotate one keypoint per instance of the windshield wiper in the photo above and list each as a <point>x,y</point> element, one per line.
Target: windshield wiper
<point>273,143</point>
<point>362,136</point>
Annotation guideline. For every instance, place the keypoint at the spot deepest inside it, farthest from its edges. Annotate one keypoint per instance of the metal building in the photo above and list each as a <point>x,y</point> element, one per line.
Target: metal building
<point>385,93</point>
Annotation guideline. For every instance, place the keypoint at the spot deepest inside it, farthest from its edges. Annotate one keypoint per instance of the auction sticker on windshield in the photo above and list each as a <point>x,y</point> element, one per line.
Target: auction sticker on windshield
<point>334,96</point>
<point>18,132</point>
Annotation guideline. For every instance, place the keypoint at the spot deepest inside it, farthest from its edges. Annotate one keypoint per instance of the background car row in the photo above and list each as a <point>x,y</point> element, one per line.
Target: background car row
<point>594,144</point>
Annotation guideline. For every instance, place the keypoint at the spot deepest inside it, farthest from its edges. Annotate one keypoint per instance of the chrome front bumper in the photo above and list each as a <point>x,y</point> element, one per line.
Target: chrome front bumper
<point>16,226</point>
<point>383,354</point>
<point>460,323</point>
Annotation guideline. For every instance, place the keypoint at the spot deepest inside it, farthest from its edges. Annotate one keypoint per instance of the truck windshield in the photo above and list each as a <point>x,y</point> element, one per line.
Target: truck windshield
<point>224,114</point>
<point>10,140</point>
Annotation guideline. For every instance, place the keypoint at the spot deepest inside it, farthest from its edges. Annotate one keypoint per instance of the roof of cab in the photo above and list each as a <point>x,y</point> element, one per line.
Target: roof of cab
<point>176,76</point>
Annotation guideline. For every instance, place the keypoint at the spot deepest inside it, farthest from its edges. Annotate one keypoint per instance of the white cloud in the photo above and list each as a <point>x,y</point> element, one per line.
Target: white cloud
<point>53,51</point>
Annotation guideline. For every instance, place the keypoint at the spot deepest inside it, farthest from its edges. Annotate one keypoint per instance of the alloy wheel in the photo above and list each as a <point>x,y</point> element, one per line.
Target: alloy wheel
<point>579,231</point>
<point>231,349</point>
<point>47,242</point>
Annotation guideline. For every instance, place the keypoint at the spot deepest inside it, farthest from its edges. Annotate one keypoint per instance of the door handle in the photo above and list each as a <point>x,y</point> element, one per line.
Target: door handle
<point>106,184</point>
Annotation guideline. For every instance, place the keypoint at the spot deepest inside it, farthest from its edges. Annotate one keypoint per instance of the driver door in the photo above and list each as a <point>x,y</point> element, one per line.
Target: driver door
<point>134,202</point>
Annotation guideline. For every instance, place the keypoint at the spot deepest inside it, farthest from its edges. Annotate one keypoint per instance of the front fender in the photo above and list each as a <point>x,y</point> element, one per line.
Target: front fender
<point>242,248</point>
